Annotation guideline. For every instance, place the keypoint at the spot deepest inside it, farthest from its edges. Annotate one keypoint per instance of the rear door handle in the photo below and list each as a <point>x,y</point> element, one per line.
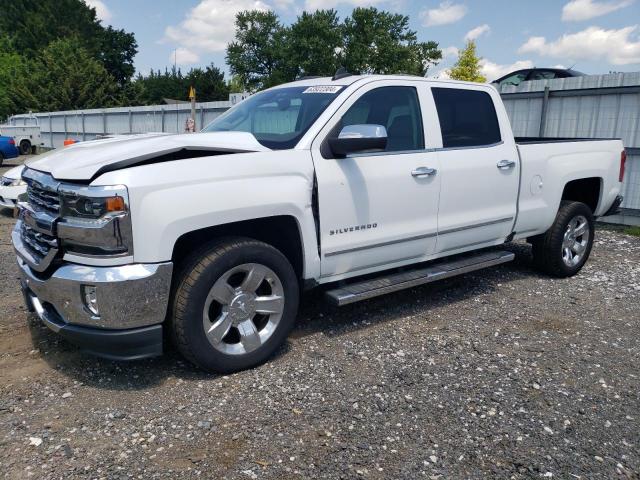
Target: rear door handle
<point>423,172</point>
<point>506,164</point>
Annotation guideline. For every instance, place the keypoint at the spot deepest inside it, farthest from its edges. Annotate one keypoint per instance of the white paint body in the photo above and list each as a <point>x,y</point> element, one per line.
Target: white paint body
<point>469,204</point>
<point>20,133</point>
<point>9,193</point>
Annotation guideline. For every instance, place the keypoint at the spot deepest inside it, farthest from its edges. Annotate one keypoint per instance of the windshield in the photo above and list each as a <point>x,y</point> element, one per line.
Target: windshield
<point>277,118</point>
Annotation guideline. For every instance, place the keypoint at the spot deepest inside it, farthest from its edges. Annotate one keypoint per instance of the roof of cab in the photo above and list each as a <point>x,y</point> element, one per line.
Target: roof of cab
<point>351,79</point>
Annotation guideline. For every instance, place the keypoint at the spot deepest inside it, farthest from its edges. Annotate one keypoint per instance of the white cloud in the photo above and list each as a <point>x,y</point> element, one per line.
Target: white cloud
<point>210,25</point>
<point>448,52</point>
<point>493,70</point>
<point>442,74</point>
<point>311,5</point>
<point>445,14</point>
<point>102,11</point>
<point>184,56</point>
<point>618,47</point>
<point>579,10</point>
<point>477,32</point>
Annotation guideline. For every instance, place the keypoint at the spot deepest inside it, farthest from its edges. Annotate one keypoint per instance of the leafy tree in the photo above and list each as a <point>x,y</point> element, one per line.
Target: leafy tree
<point>34,24</point>
<point>208,82</point>
<point>13,67</point>
<point>381,42</point>
<point>116,51</point>
<point>235,85</point>
<point>64,76</point>
<point>468,65</point>
<point>314,43</point>
<point>266,53</point>
<point>256,56</point>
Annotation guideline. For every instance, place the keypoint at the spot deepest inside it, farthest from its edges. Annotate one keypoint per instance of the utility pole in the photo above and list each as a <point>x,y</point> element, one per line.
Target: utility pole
<point>192,97</point>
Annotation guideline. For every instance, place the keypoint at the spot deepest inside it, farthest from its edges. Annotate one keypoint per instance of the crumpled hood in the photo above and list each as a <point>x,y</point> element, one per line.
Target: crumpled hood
<point>84,161</point>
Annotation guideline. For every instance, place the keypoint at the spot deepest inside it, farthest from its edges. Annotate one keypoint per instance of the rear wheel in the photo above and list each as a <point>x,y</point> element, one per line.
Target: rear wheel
<point>565,247</point>
<point>25,147</point>
<point>1,158</point>
<point>234,305</point>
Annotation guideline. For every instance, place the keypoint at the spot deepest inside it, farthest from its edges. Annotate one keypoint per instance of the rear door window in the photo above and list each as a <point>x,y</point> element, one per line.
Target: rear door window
<point>467,117</point>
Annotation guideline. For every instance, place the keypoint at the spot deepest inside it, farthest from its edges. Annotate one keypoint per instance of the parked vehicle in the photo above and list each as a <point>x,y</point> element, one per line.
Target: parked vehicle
<point>519,76</point>
<point>314,183</point>
<point>7,148</point>
<point>12,186</point>
<point>27,137</point>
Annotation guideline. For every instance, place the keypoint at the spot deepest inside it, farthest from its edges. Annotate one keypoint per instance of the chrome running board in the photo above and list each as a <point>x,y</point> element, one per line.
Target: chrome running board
<point>364,290</point>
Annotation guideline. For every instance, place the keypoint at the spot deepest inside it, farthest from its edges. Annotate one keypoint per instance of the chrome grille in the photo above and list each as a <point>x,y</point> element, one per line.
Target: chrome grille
<point>38,243</point>
<point>43,198</point>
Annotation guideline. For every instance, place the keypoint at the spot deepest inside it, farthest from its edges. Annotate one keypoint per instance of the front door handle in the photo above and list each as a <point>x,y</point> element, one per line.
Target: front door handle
<point>423,172</point>
<point>506,164</point>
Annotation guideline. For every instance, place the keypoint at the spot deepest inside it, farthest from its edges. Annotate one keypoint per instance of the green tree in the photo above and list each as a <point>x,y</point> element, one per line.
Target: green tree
<point>381,42</point>
<point>235,85</point>
<point>314,43</point>
<point>256,56</point>
<point>34,24</point>
<point>209,84</point>
<point>64,76</point>
<point>265,53</point>
<point>468,65</point>
<point>116,51</point>
<point>13,67</point>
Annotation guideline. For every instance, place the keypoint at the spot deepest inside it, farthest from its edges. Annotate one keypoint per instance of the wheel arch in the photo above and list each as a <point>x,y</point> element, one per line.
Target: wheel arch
<point>281,232</point>
<point>586,190</point>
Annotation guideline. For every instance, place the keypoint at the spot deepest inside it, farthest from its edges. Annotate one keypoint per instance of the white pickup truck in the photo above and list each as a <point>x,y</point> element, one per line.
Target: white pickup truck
<point>211,237</point>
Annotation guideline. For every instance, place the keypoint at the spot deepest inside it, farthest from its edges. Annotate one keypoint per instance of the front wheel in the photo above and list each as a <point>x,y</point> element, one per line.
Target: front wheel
<point>234,305</point>
<point>565,247</point>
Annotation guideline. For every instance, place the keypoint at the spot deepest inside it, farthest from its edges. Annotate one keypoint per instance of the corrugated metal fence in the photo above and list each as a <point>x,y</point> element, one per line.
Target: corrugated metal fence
<point>595,106</point>
<point>82,125</point>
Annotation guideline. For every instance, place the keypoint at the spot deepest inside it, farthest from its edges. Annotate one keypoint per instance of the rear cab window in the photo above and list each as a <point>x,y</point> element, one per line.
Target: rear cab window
<point>468,118</point>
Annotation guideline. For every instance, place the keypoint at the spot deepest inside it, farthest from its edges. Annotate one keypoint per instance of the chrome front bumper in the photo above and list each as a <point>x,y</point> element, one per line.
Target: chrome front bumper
<point>131,301</point>
<point>128,296</point>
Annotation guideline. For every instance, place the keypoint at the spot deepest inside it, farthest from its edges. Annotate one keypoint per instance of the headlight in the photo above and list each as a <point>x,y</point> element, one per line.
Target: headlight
<point>92,207</point>
<point>11,182</point>
<point>95,221</point>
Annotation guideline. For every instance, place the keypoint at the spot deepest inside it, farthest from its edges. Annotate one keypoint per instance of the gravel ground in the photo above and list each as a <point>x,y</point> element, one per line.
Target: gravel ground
<point>502,373</point>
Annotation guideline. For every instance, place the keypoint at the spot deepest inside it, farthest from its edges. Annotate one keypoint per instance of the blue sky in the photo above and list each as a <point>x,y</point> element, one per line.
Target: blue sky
<point>597,36</point>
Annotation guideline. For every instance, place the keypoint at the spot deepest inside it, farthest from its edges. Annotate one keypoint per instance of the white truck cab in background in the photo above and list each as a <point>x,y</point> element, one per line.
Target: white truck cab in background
<point>312,183</point>
<point>26,134</point>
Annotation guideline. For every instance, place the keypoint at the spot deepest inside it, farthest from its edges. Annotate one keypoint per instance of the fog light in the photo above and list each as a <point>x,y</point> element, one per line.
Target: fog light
<point>90,299</point>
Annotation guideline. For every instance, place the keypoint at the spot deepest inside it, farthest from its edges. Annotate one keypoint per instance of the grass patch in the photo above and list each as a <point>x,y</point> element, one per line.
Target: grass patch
<point>635,231</point>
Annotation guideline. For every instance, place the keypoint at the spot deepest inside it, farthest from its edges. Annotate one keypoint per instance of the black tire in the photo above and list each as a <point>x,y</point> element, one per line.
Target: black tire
<point>195,281</point>
<point>1,158</point>
<point>548,248</point>
<point>25,147</point>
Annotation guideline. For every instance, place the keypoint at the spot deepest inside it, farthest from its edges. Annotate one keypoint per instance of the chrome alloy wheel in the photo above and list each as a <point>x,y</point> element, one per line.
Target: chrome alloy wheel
<point>575,241</point>
<point>243,309</point>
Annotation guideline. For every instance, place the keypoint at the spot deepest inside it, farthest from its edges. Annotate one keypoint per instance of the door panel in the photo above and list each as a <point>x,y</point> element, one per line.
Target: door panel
<point>479,171</point>
<point>374,212</point>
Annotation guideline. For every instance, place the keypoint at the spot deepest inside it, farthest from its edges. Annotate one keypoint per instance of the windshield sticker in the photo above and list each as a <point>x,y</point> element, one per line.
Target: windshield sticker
<point>323,89</point>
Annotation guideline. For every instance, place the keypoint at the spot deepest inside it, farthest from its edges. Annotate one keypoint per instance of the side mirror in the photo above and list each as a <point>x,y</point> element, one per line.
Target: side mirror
<point>359,138</point>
